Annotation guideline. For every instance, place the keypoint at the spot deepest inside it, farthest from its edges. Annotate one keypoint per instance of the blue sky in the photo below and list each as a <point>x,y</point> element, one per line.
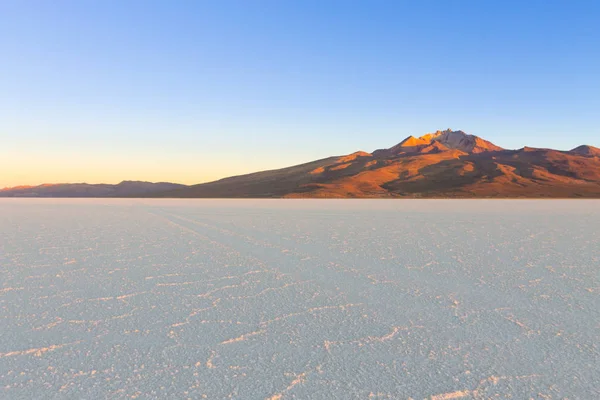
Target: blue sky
<point>191,91</point>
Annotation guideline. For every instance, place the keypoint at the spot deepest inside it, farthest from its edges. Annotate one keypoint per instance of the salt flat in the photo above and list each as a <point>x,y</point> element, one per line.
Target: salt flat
<point>309,299</point>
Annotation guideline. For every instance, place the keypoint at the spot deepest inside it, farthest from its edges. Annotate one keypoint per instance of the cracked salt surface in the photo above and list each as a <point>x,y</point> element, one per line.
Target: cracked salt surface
<point>309,299</point>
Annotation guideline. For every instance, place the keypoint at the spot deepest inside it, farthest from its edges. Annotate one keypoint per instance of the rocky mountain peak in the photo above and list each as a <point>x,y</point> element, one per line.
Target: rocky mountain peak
<point>452,140</point>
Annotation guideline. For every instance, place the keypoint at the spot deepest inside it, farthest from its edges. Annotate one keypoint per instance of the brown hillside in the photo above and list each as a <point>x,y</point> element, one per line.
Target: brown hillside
<point>442,164</point>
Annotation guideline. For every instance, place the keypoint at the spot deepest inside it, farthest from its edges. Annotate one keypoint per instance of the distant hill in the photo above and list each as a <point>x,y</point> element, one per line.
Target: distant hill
<point>440,164</point>
<point>586,151</point>
<point>123,189</point>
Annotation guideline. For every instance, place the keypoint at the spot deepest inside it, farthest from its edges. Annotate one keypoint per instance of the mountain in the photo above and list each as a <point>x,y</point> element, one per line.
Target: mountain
<point>441,140</point>
<point>440,164</point>
<point>123,189</point>
<point>586,151</point>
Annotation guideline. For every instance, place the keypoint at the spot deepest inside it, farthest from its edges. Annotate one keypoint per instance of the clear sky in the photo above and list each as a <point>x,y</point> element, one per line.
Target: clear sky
<point>191,91</point>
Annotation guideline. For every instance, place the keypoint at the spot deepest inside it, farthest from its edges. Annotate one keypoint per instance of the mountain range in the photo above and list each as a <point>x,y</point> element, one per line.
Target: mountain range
<point>446,163</point>
<point>123,189</point>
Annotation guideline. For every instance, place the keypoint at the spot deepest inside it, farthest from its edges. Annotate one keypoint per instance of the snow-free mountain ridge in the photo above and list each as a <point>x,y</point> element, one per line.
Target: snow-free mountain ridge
<point>440,164</point>
<point>123,189</point>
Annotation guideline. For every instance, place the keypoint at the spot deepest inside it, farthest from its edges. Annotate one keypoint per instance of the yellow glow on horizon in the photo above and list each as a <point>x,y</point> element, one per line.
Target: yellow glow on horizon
<point>27,169</point>
<point>32,169</point>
